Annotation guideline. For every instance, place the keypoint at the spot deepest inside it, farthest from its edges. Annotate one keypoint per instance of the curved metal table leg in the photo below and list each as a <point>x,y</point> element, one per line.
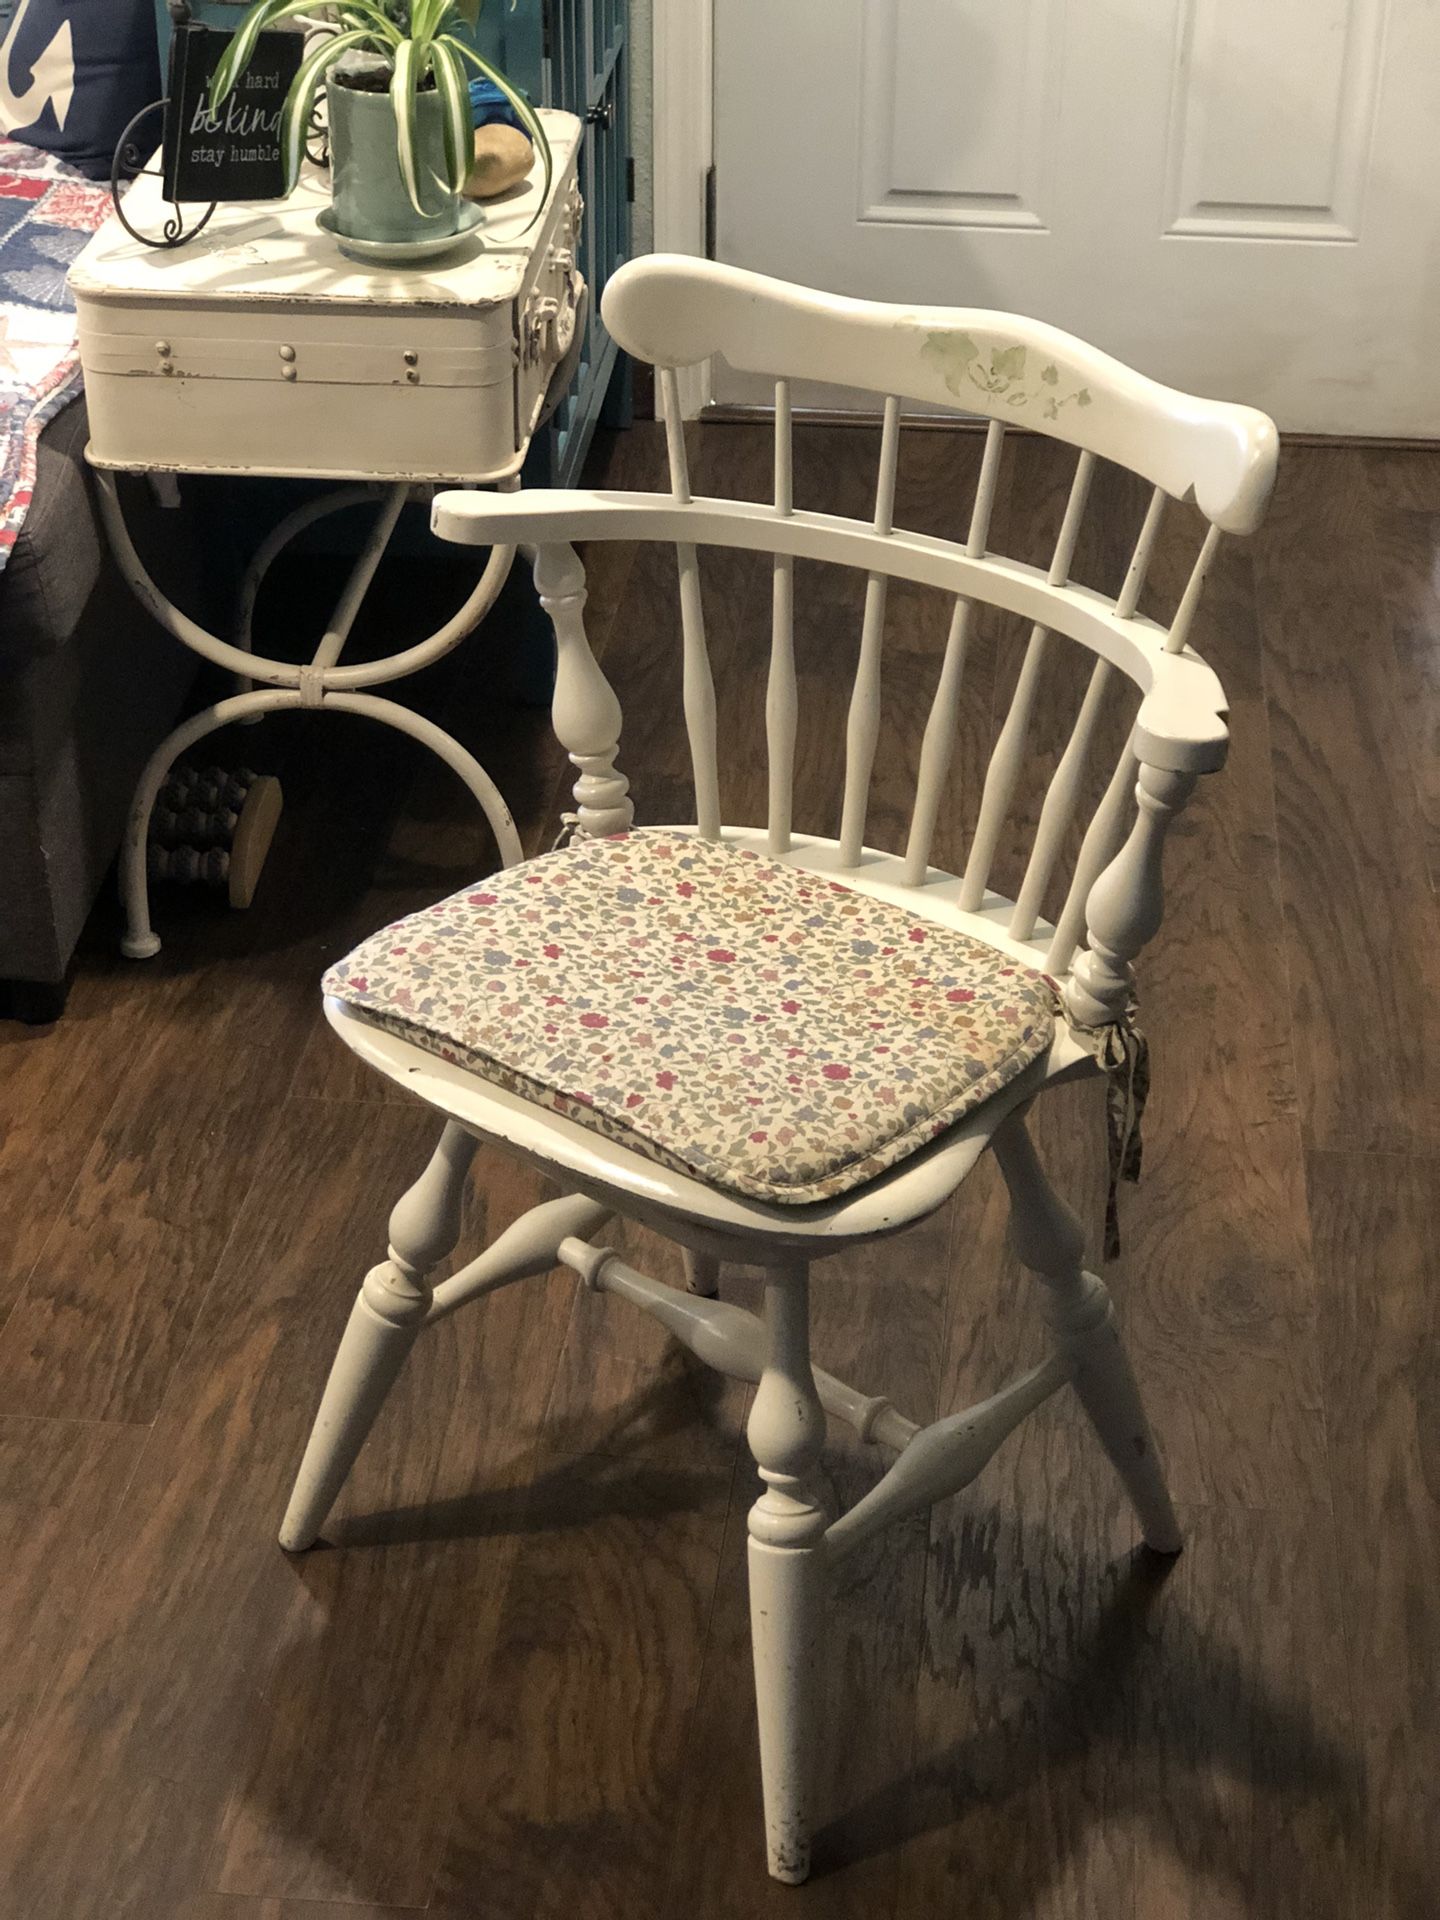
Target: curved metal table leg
<point>289,684</point>
<point>269,551</point>
<point>140,941</point>
<point>460,761</point>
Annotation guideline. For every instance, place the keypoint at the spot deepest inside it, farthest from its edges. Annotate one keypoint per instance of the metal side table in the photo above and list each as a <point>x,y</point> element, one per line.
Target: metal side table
<point>257,349</point>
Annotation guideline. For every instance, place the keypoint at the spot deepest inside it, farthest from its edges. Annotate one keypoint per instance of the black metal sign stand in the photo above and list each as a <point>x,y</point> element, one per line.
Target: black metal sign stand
<point>233,153</point>
<point>130,156</point>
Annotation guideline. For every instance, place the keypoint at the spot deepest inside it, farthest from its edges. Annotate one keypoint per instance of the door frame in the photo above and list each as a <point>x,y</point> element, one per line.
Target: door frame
<point>684,145</point>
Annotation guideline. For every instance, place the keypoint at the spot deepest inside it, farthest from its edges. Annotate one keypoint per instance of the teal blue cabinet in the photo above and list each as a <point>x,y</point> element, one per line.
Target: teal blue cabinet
<point>571,54</point>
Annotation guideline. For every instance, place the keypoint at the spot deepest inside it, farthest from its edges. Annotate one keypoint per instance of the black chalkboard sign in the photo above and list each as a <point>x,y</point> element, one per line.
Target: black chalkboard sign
<point>233,154</point>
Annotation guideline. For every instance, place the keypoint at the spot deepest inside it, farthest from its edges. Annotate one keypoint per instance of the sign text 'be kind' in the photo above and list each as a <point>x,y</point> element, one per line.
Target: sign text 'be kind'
<point>232,153</point>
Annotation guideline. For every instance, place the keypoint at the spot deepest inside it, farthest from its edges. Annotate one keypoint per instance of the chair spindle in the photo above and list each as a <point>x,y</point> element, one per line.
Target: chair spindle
<point>674,435</point>
<point>1005,762</point>
<point>1190,599</point>
<point>780,697</point>
<point>1129,596</point>
<point>699,696</point>
<point>584,711</point>
<point>1124,908</point>
<point>1059,805</point>
<point>698,682</point>
<point>938,745</point>
<point>1100,845</point>
<point>862,730</point>
<point>1103,838</point>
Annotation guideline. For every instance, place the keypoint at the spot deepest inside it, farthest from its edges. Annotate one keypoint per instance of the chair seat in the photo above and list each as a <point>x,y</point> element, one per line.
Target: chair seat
<point>773,1033</point>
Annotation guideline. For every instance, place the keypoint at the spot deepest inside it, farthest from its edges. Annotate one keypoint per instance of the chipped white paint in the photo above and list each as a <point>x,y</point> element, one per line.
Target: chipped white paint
<point>258,349</point>
<point>787,1560</point>
<point>943,1458</point>
<point>397,1302</point>
<point>389,1312</point>
<point>1078,1311</point>
<point>285,685</point>
<point>584,711</point>
<point>677,311</point>
<point>725,1337</point>
<point>1125,906</point>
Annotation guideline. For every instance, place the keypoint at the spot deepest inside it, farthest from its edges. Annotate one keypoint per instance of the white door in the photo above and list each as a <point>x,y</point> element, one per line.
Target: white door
<point>1241,197</point>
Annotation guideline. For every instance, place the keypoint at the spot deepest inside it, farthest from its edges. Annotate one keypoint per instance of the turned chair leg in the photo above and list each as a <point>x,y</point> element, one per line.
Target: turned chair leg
<point>384,1324</point>
<point>786,1431</point>
<point>1051,1243</point>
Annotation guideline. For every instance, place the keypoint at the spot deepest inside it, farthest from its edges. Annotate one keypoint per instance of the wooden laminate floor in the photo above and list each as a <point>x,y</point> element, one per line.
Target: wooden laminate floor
<point>515,1682</point>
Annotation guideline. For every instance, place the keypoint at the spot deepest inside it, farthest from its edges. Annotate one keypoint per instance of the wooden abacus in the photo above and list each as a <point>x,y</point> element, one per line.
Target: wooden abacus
<point>214,826</point>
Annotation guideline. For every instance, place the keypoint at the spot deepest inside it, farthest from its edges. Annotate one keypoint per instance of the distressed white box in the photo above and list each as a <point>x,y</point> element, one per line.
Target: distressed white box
<point>258,347</point>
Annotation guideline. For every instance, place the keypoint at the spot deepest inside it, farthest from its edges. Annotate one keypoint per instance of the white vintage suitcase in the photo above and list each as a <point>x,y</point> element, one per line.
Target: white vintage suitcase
<point>258,348</point>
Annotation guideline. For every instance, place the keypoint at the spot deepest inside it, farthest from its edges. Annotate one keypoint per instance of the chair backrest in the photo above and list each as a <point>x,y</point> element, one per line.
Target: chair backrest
<point>675,311</point>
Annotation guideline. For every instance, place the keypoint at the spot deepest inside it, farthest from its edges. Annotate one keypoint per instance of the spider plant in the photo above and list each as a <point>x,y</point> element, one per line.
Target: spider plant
<point>416,37</point>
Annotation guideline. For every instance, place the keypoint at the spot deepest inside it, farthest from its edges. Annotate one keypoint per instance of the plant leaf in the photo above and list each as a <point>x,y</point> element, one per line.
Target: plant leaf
<point>237,56</point>
<point>367,13</point>
<point>241,50</point>
<point>425,20</point>
<point>402,99</point>
<point>459,121</point>
<point>529,119</point>
<point>295,115</point>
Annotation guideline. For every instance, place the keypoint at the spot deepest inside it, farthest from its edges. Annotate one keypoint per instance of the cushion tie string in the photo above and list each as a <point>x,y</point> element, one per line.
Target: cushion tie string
<point>1123,1054</point>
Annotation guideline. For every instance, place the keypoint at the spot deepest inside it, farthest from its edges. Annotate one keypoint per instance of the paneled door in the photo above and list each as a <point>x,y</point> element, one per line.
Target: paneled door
<point>1241,199</point>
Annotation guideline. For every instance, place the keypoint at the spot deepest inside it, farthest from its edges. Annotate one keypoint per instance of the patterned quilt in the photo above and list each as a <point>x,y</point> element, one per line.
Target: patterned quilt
<point>47,213</point>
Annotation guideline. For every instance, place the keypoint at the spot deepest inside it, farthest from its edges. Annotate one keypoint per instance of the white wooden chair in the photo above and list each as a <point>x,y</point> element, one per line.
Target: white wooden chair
<point>674,312</point>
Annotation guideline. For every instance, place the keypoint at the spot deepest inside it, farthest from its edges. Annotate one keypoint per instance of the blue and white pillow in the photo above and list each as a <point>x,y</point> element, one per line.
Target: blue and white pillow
<point>73,73</point>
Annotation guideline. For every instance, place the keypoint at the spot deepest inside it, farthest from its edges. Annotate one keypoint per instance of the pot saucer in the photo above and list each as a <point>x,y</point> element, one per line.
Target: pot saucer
<point>402,253</point>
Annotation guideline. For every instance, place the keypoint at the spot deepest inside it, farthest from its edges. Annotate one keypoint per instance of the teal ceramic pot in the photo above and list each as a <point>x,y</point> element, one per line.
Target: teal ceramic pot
<point>370,198</point>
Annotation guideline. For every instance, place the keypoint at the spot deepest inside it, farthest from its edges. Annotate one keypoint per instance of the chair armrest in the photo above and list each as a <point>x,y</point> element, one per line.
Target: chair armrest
<point>529,516</point>
<point>1180,725</point>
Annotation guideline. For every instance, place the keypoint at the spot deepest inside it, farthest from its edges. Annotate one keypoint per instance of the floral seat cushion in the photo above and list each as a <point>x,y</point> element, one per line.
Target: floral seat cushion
<point>759,1027</point>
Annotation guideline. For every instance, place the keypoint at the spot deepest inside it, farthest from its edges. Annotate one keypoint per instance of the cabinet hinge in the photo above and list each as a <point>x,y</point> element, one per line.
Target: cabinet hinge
<point>710,213</point>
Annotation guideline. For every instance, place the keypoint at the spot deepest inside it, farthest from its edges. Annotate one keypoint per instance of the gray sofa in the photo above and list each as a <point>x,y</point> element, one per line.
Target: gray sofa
<point>88,686</point>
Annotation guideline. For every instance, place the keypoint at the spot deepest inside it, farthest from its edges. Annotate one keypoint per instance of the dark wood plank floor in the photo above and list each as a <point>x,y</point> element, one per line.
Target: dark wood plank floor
<point>515,1680</point>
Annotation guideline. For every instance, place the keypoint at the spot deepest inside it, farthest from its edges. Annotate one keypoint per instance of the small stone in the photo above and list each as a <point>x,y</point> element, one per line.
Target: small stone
<point>502,159</point>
